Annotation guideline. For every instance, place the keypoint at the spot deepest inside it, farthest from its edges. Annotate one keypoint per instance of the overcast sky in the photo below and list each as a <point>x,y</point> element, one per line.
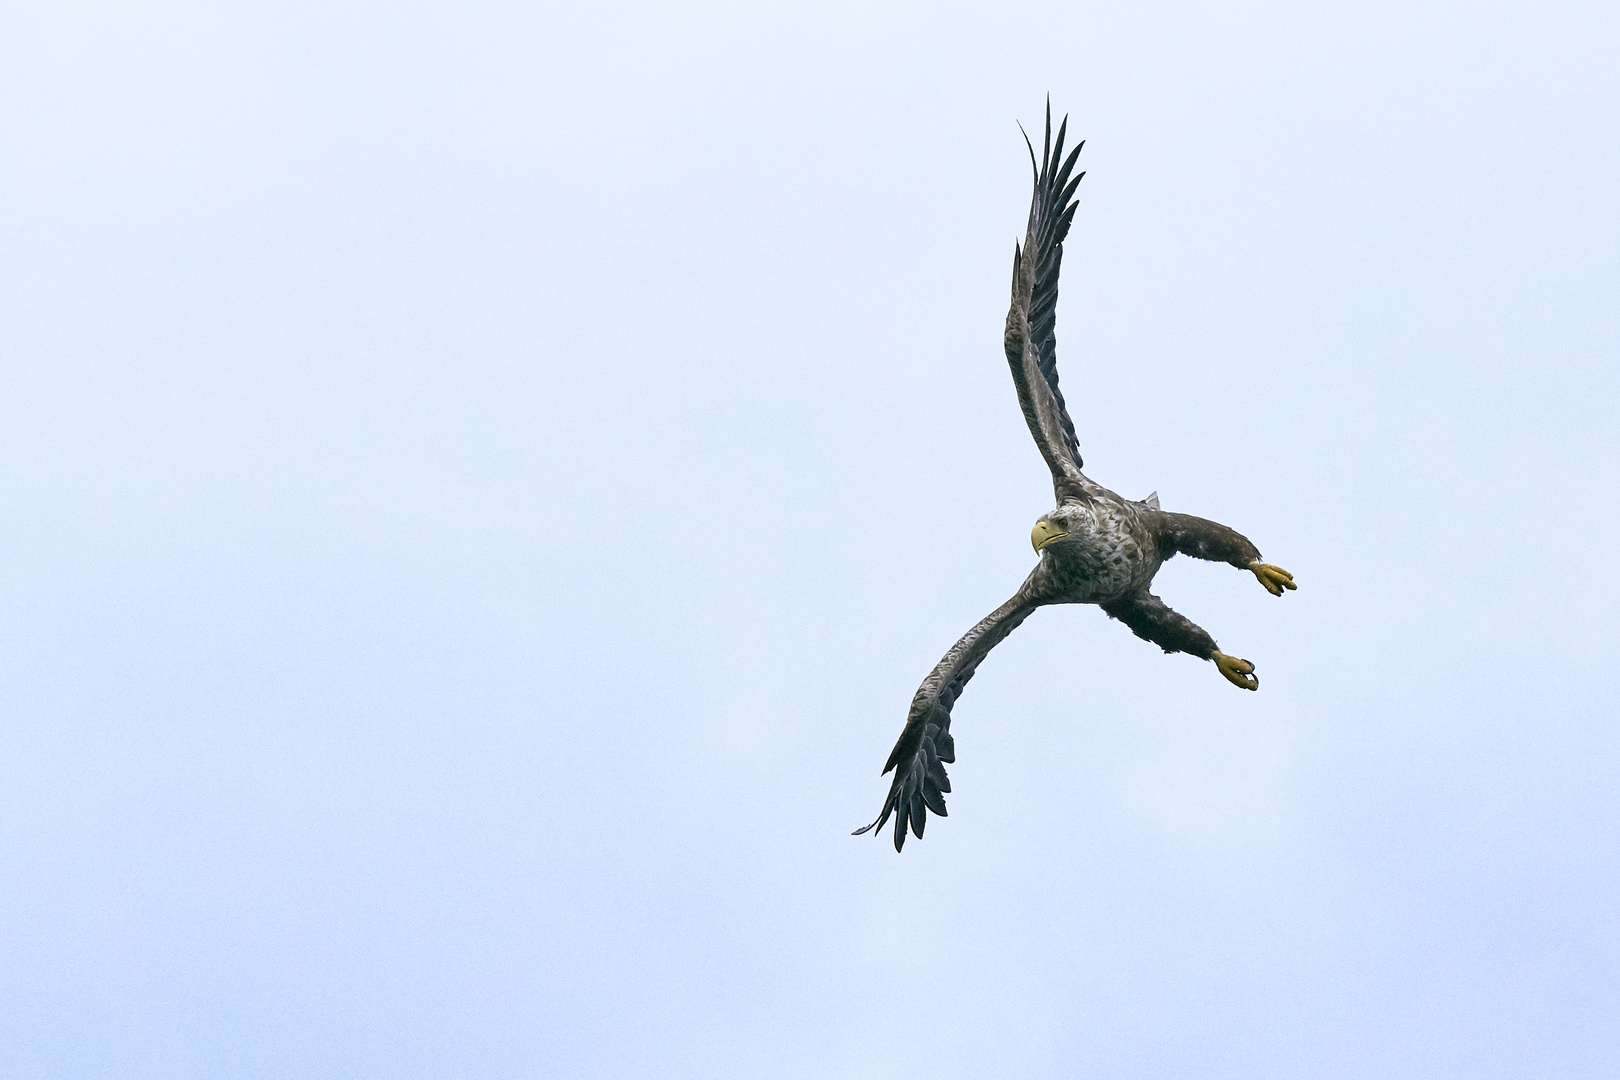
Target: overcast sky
<point>480,484</point>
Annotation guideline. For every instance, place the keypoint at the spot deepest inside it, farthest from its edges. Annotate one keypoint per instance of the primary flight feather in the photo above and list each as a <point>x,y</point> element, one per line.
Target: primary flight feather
<point>1094,547</point>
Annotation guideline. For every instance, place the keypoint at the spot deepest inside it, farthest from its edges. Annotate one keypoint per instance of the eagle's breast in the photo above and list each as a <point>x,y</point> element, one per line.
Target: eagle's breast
<point>1110,553</point>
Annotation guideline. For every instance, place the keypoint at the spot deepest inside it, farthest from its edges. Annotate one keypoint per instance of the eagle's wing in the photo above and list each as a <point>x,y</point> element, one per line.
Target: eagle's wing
<point>1030,340</point>
<point>919,777</point>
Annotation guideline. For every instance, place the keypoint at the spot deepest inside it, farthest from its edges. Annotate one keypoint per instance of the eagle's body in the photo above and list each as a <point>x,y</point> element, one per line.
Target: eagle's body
<point>1095,547</point>
<point>1112,553</point>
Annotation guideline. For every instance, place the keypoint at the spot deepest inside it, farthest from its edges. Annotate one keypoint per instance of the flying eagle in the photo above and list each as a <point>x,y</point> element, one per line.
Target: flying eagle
<point>1094,548</point>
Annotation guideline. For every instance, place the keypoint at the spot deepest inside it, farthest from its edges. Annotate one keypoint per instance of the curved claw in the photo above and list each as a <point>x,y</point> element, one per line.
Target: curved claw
<point>1240,673</point>
<point>1274,578</point>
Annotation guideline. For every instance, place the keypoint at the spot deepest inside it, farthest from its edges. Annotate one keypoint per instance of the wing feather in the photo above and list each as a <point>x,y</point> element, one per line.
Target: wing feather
<point>1031,339</point>
<point>925,745</point>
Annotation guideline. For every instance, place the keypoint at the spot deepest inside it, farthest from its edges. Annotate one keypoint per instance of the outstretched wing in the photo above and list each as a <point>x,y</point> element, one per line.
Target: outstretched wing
<point>920,782</point>
<point>1031,339</point>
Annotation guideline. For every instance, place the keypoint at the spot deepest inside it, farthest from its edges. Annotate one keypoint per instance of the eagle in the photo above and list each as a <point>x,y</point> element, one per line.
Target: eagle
<point>1093,548</point>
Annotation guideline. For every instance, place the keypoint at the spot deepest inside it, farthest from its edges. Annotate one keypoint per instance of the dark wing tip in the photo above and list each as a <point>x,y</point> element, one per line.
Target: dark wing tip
<point>1046,147</point>
<point>925,744</point>
<point>1032,162</point>
<point>920,782</point>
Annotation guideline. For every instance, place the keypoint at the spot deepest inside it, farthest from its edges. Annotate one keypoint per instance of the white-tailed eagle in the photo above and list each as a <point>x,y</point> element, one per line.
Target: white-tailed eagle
<point>1094,548</point>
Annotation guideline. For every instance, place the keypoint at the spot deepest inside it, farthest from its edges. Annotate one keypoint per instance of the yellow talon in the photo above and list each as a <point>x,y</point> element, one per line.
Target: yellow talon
<point>1239,673</point>
<point>1274,578</point>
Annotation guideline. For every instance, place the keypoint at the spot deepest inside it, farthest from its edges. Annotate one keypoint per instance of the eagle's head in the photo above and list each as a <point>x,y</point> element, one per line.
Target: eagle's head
<point>1051,527</point>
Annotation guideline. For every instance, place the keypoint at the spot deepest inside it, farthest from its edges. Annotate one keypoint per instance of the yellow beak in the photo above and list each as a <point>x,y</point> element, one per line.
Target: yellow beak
<point>1045,532</point>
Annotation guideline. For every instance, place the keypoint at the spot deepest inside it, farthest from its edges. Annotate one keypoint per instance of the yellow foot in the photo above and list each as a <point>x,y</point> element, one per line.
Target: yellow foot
<point>1274,578</point>
<point>1239,673</point>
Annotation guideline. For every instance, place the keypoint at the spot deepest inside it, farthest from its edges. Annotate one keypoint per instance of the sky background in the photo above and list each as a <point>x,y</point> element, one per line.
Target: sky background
<point>480,484</point>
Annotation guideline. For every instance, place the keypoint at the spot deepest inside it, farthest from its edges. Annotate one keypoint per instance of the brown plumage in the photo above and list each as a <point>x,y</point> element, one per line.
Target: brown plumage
<point>1094,547</point>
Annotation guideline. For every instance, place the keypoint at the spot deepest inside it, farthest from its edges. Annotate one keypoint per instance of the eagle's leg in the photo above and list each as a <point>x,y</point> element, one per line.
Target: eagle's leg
<point>1240,673</point>
<point>1204,539</point>
<point>1274,578</point>
<point>1153,620</point>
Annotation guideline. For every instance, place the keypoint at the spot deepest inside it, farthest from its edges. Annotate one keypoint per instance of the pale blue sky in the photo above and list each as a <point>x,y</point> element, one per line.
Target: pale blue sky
<point>481,484</point>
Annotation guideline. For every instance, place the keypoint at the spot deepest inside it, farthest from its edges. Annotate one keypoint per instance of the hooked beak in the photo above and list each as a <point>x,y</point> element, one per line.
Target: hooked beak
<point>1044,533</point>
